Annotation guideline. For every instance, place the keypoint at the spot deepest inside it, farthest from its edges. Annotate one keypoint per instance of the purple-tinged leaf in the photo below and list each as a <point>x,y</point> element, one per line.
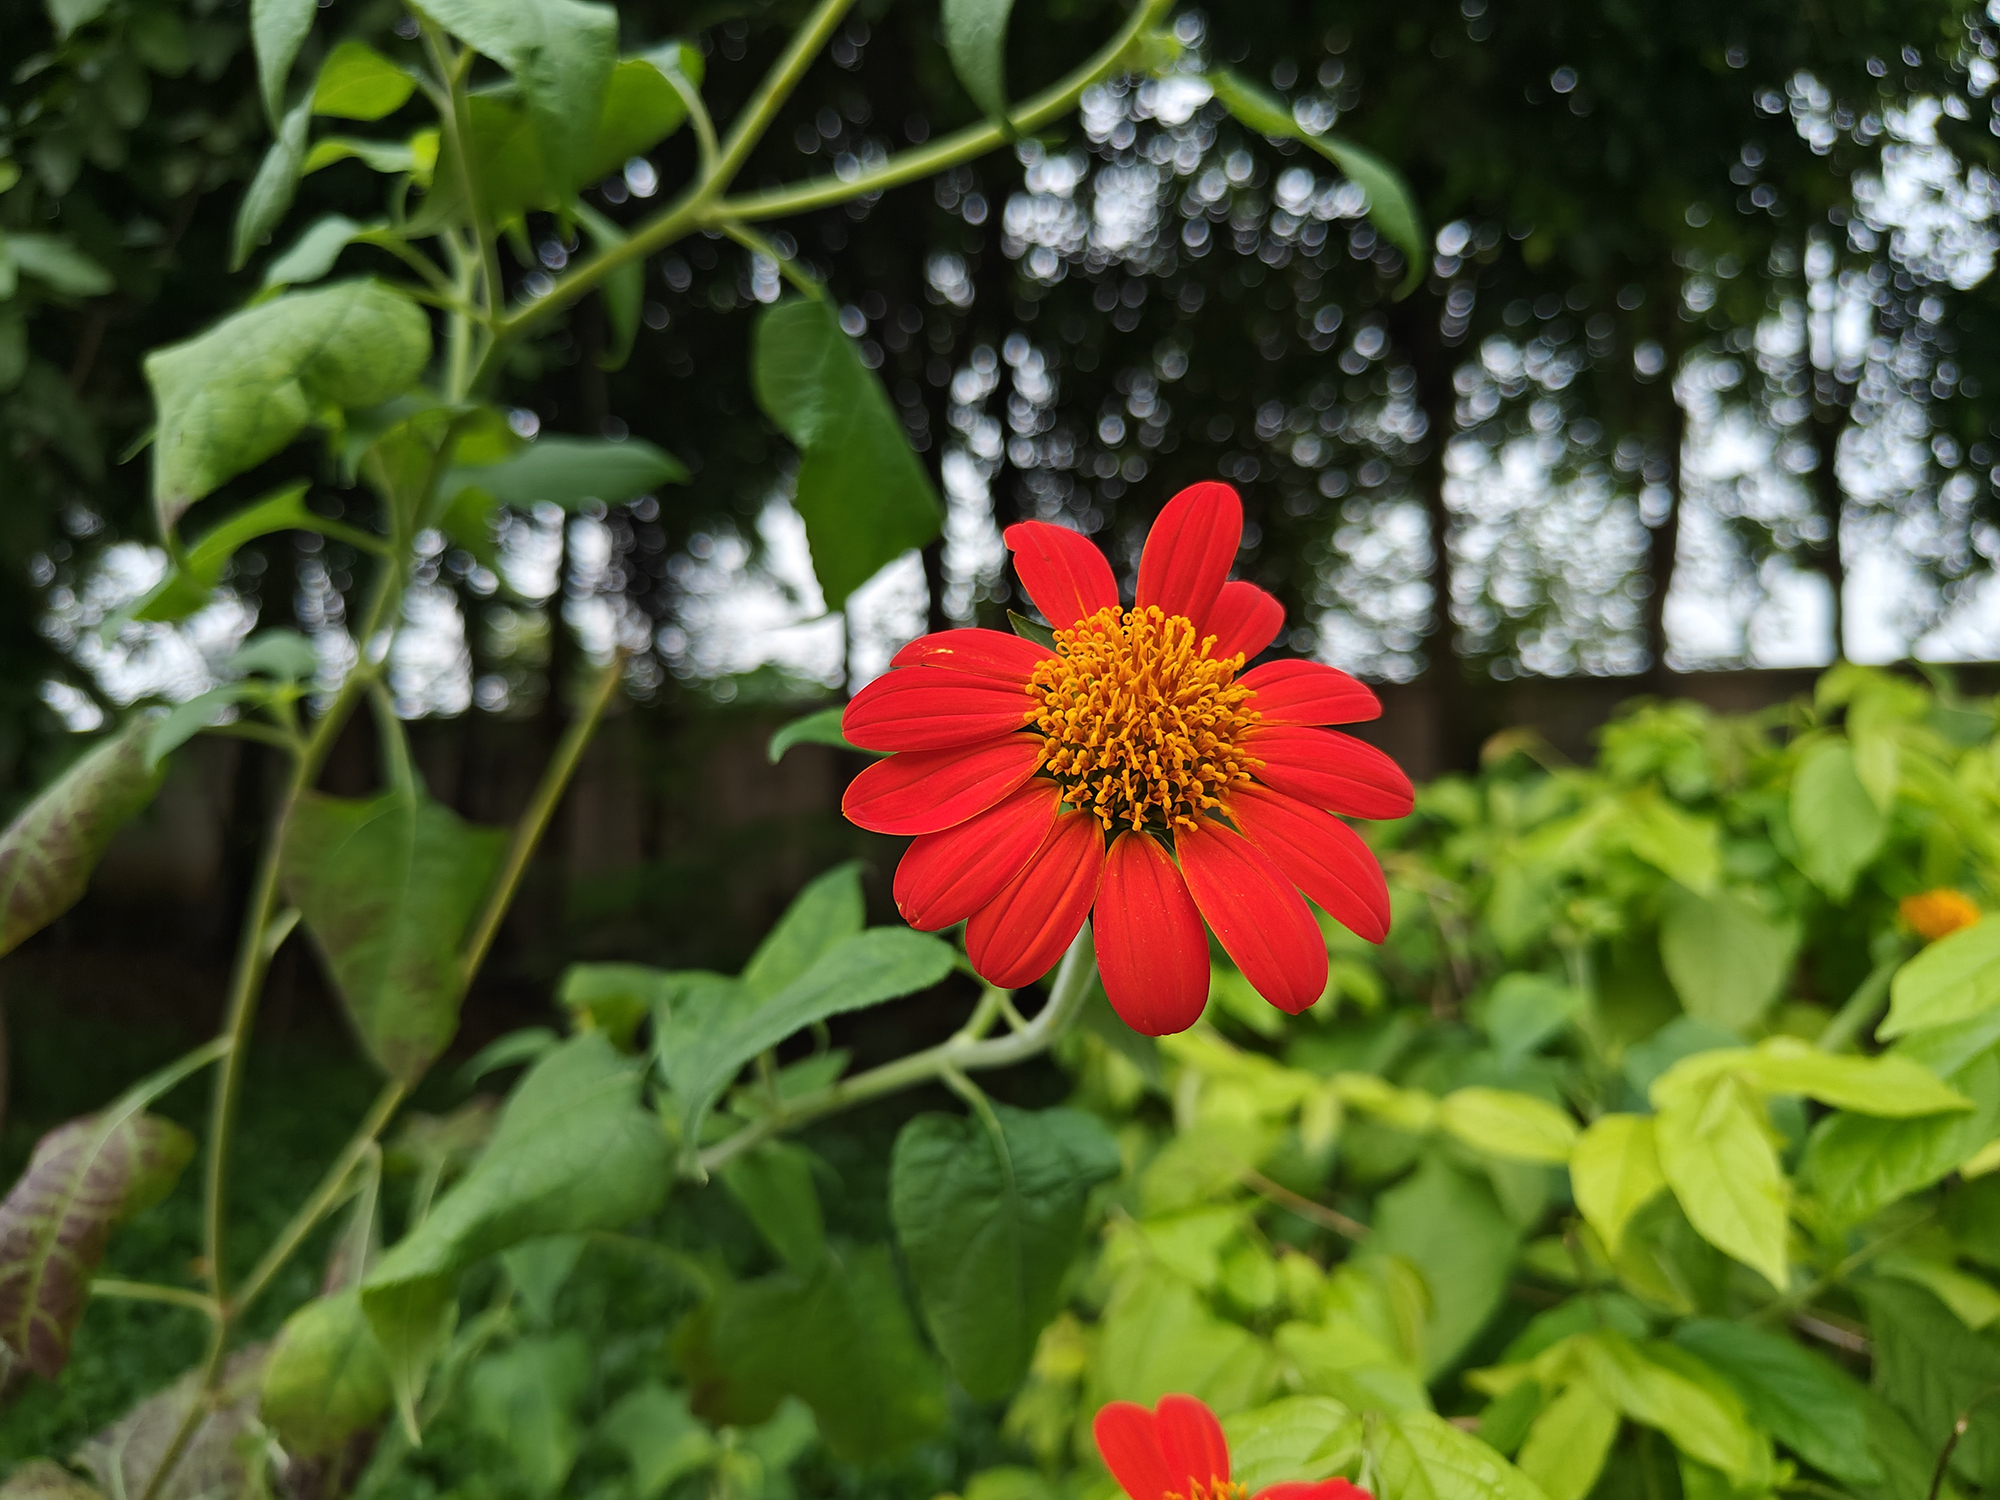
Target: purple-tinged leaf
<point>48,852</point>
<point>38,1479</point>
<point>219,1456</point>
<point>85,1178</point>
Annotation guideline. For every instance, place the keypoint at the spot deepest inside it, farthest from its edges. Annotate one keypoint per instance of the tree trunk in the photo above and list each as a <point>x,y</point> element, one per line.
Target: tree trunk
<point>1663,543</point>
<point>1829,419</point>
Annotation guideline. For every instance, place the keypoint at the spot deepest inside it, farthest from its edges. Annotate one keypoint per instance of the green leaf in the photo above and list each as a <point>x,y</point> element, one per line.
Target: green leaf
<point>189,719</point>
<point>539,1268</point>
<point>326,1380</point>
<point>975,37</point>
<point>187,588</point>
<point>1614,1172</point>
<point>84,1179</point>
<point>819,728</point>
<point>840,1340</point>
<point>1837,824</point>
<point>1500,1122</point>
<point>622,290</point>
<point>1807,1402</point>
<point>509,1051</point>
<point>1890,1086</point>
<point>1954,979</point>
<point>774,1186</point>
<point>1390,203</point>
<point>573,1151</point>
<point>1932,1368</point>
<point>313,254</point>
<point>1158,1335</point>
<point>1974,1302</point>
<point>1567,1444</point>
<point>570,471</point>
<point>703,1046</point>
<point>829,910</point>
<point>524,1399</point>
<point>561,53</point>
<point>49,850</point>
<point>989,1225</point>
<point>1662,1386</point>
<point>1030,630</point>
<point>1298,1439</point>
<point>659,1436</point>
<point>230,398</point>
<point>388,886</point>
<point>67,15</point>
<point>278,29</point>
<point>223,1452</point>
<point>1727,961</point>
<point>39,1479</point>
<point>1855,1166</point>
<point>1447,1223</point>
<point>615,999</point>
<point>281,654</point>
<point>415,157</point>
<point>56,263</point>
<point>270,192</point>
<point>1525,1010</point>
<point>863,496</point>
<point>1421,1456</point>
<point>358,83</point>
<point>1715,1150</point>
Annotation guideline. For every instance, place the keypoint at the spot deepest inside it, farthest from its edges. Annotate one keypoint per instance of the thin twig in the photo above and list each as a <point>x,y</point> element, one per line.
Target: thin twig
<point>148,1291</point>
<point>1305,1208</point>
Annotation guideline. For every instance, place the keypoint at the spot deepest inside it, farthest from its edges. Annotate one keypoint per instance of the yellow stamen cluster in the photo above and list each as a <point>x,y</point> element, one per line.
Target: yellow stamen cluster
<point>1215,1489</point>
<point>1140,728</point>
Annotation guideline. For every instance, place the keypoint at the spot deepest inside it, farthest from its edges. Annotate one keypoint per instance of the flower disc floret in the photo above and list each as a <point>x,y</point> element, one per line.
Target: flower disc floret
<point>1139,727</point>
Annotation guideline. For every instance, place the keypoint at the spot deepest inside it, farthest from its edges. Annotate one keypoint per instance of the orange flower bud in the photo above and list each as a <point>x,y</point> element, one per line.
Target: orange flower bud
<point>1937,913</point>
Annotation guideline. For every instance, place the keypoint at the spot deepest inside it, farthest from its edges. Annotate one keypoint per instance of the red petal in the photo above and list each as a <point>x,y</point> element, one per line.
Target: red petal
<point>1334,771</point>
<point>1062,571</point>
<point>1131,1449</point>
<point>1244,620</point>
<point>1191,1441</point>
<point>946,877</point>
<point>928,708</point>
<point>1189,551</point>
<point>922,791</point>
<point>986,653</point>
<point>1319,854</point>
<point>1258,915</point>
<point>1017,937</point>
<point>1326,1489</point>
<point>1151,950</point>
<point>1309,692</point>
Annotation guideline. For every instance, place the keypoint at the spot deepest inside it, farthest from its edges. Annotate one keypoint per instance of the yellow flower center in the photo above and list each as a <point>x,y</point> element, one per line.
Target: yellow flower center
<point>1138,726</point>
<point>1215,1489</point>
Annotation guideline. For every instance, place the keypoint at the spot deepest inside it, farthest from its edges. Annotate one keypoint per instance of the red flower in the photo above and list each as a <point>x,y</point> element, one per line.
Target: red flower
<point>1176,1452</point>
<point>1133,771</point>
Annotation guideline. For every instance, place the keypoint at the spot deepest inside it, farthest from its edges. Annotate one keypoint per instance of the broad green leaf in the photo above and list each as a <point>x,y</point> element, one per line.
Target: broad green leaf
<point>524,1399</point>
<point>222,1455</point>
<point>1932,1368</point>
<point>821,728</point>
<point>1855,1165</point>
<point>283,655</point>
<point>1447,1223</point>
<point>509,1051</point>
<point>659,1436</point>
<point>1421,1456</point>
<point>615,999</point>
<point>1030,630</point>
<point>570,471</point>
<point>189,719</point>
<point>774,1186</point>
<point>84,1179</point>
<point>1975,1303</point>
<point>975,37</point>
<point>1663,1386</point>
<point>1954,979</point>
<point>230,398</point>
<point>49,850</point>
<point>387,887</point>
<point>1715,1149</point>
<point>1343,1358</point>
<point>1503,1123</point>
<point>277,30</point>
<point>358,83</point>
<point>840,1340</point>
<point>1390,203</point>
<point>313,254</point>
<point>1837,824</point>
<point>1525,1010</point>
<point>561,53</point>
<point>1615,1172</point>
<point>1805,1401</point>
<point>325,1380</point>
<point>1727,960</point>
<point>416,157</point>
<point>539,1268</point>
<point>574,1151</point>
<point>989,1225</point>
<point>1298,1439</point>
<point>40,1479</point>
<point>1891,1086</point>
<point>270,192</point>
<point>189,587</point>
<point>67,15</point>
<point>1672,840</point>
<point>863,495</point>
<point>703,1045</point>
<point>1567,1444</point>
<point>56,263</point>
<point>622,290</point>
<point>829,910</point>
<point>1158,1335</point>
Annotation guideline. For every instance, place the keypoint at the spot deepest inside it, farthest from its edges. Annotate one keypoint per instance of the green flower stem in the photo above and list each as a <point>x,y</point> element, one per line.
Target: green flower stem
<point>969,1051</point>
<point>148,1291</point>
<point>1861,1009</point>
<point>773,92</point>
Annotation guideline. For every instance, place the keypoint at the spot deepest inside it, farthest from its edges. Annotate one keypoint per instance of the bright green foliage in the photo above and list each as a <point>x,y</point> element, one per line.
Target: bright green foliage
<point>864,497</point>
<point>325,1379</point>
<point>358,83</point>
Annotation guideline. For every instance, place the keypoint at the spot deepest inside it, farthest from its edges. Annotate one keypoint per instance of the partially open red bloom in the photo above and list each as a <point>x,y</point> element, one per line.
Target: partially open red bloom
<point>1135,770</point>
<point>1176,1451</point>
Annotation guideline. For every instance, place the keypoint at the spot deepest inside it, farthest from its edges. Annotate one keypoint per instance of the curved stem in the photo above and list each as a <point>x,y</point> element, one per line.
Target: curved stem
<point>149,1291</point>
<point>788,266</point>
<point>965,1052</point>
<point>771,94</point>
